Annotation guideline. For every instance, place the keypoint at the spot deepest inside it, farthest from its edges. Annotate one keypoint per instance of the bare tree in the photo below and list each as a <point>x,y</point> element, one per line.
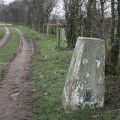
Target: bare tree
<point>73,21</point>
<point>34,13</point>
<point>116,44</point>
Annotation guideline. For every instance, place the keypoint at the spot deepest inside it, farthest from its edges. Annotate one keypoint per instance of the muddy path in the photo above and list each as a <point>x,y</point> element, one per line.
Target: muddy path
<point>14,88</point>
<point>6,37</point>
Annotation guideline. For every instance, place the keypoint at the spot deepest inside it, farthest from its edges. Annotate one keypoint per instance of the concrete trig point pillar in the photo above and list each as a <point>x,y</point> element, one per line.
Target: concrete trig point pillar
<point>85,81</point>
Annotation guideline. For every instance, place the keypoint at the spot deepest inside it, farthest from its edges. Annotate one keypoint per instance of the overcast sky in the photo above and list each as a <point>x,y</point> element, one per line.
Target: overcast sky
<point>8,1</point>
<point>58,9</point>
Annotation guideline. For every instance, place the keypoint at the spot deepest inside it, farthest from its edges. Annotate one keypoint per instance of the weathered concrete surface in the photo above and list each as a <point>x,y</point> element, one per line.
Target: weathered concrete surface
<point>85,81</point>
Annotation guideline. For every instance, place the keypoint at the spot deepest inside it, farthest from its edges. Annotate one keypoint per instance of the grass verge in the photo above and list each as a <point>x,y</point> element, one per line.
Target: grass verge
<point>8,51</point>
<point>49,72</point>
<point>2,32</point>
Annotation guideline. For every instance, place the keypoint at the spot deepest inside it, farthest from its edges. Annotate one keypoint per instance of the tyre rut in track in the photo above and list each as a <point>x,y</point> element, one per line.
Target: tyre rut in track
<point>14,88</point>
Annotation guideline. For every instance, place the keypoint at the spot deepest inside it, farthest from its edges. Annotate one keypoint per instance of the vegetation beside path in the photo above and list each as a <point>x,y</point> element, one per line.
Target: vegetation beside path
<point>8,51</point>
<point>49,72</point>
<point>2,32</point>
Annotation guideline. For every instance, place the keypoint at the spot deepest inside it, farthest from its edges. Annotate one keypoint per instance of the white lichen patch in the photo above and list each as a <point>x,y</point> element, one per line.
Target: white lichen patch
<point>81,86</point>
<point>85,61</point>
<point>87,75</point>
<point>81,100</point>
<point>75,96</point>
<point>98,63</point>
<point>66,97</point>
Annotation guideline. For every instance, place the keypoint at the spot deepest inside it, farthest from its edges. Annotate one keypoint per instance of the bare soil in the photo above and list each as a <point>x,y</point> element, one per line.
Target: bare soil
<point>14,88</point>
<point>5,38</point>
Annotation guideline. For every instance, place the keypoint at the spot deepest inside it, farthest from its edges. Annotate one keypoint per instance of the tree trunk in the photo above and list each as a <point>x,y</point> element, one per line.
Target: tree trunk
<point>102,19</point>
<point>115,45</point>
<point>73,21</point>
<point>113,21</point>
<point>89,18</point>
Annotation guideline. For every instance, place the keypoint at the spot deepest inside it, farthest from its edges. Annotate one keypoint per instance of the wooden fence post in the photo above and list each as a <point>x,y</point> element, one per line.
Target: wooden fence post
<point>48,29</point>
<point>58,36</point>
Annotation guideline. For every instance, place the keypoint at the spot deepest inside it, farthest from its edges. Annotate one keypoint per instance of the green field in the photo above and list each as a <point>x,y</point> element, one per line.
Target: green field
<point>49,71</point>
<point>8,51</point>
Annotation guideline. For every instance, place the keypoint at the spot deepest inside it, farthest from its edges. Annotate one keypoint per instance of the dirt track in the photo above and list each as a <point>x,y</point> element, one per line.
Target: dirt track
<point>5,38</point>
<point>14,88</point>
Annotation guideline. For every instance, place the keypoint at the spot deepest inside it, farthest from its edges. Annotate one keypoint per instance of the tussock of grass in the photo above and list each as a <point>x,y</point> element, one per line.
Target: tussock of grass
<point>8,51</point>
<point>49,74</point>
<point>2,32</point>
